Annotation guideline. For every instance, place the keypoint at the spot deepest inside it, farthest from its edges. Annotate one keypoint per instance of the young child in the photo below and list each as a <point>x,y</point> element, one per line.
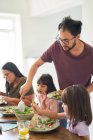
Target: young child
<point>77,110</point>
<point>45,85</point>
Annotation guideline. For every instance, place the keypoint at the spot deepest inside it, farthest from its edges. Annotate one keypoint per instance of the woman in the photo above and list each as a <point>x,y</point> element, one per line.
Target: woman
<point>14,80</point>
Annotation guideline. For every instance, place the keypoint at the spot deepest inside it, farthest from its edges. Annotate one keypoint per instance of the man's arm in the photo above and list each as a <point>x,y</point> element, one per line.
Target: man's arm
<point>25,88</point>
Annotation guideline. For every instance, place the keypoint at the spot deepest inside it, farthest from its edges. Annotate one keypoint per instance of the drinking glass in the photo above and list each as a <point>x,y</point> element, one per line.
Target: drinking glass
<point>23,128</point>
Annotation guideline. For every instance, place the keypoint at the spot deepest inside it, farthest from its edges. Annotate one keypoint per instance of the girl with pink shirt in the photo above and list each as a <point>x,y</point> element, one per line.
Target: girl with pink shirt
<point>45,85</point>
<point>77,110</point>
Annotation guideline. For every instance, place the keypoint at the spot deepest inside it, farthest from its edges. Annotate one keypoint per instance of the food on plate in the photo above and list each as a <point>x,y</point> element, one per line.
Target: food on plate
<point>41,123</point>
<point>2,101</point>
<point>7,109</point>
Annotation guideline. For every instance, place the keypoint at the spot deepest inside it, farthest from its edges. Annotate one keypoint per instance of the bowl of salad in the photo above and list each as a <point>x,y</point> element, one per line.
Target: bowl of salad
<point>26,115</point>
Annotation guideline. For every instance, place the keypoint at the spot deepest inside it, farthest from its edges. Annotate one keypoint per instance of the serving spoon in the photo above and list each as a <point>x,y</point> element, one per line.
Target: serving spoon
<point>21,106</point>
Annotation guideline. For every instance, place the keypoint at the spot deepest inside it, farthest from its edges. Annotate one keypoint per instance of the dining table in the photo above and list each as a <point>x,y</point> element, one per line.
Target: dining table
<point>59,133</point>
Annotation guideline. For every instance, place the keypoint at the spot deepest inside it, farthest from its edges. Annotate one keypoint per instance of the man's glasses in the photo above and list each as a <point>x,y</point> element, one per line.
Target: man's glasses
<point>64,41</point>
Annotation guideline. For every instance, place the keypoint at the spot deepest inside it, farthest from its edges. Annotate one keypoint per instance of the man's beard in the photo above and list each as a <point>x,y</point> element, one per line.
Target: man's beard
<point>69,48</point>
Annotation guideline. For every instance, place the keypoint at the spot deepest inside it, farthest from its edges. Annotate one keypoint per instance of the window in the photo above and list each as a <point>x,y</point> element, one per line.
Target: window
<point>10,41</point>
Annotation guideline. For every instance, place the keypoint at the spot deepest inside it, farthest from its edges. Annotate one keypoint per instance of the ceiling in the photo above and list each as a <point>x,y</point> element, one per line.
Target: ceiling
<point>47,7</point>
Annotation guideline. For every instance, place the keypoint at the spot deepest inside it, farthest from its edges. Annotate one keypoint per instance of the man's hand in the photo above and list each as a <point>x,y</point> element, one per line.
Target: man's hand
<point>24,89</point>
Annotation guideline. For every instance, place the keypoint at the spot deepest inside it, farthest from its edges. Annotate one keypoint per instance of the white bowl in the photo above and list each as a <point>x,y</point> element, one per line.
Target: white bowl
<point>24,116</point>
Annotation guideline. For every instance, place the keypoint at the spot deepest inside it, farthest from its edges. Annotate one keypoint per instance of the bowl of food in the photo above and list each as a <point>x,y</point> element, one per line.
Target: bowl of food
<point>26,115</point>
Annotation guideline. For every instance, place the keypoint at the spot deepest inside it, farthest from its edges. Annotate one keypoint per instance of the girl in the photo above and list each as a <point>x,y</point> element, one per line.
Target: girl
<point>45,85</point>
<point>77,110</point>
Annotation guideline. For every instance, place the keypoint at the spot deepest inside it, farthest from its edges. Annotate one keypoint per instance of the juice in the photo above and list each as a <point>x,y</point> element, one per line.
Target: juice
<point>23,127</point>
<point>24,133</point>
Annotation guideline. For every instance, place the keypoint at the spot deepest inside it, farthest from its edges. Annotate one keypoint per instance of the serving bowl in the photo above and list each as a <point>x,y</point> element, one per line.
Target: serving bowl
<point>26,115</point>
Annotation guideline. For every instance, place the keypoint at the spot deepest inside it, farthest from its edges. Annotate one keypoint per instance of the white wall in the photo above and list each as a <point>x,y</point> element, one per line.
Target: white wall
<point>42,31</point>
<point>37,33</point>
<point>87,17</point>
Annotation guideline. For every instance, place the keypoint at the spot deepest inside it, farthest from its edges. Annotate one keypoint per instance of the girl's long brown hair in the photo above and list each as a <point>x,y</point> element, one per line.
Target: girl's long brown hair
<point>78,101</point>
<point>47,79</point>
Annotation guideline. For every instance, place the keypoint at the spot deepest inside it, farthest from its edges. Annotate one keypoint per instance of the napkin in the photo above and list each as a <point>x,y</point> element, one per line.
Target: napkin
<point>7,126</point>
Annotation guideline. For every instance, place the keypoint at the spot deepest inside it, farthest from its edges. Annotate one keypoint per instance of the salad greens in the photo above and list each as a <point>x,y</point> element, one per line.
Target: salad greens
<point>28,110</point>
<point>46,122</point>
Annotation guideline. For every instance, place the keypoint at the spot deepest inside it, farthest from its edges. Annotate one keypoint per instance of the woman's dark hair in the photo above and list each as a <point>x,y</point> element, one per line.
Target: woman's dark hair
<point>13,68</point>
<point>73,26</point>
<point>77,99</point>
<point>47,79</point>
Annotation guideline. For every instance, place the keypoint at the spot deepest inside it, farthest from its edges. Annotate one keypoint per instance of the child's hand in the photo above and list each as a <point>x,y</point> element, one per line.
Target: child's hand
<point>37,109</point>
<point>43,97</point>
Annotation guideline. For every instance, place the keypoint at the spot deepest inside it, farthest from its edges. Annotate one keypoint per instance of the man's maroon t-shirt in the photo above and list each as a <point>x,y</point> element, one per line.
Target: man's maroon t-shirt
<point>70,69</point>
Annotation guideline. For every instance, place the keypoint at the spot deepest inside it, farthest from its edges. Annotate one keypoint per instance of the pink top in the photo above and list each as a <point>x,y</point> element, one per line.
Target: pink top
<point>46,103</point>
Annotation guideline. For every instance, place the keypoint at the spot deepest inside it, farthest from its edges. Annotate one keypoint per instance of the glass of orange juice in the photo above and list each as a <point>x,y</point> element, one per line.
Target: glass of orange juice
<point>23,128</point>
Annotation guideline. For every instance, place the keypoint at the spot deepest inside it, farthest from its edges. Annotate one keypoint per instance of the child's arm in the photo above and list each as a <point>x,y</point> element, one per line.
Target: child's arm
<point>48,113</point>
<point>53,105</point>
<point>42,99</point>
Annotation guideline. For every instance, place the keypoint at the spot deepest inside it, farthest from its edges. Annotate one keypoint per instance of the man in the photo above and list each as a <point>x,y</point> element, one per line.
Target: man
<point>72,58</point>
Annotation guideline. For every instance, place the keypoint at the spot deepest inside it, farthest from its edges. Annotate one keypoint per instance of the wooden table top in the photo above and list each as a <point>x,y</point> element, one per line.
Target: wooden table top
<point>58,134</point>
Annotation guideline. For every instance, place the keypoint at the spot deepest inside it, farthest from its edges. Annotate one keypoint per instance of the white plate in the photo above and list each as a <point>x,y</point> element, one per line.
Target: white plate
<point>7,111</point>
<point>36,129</point>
